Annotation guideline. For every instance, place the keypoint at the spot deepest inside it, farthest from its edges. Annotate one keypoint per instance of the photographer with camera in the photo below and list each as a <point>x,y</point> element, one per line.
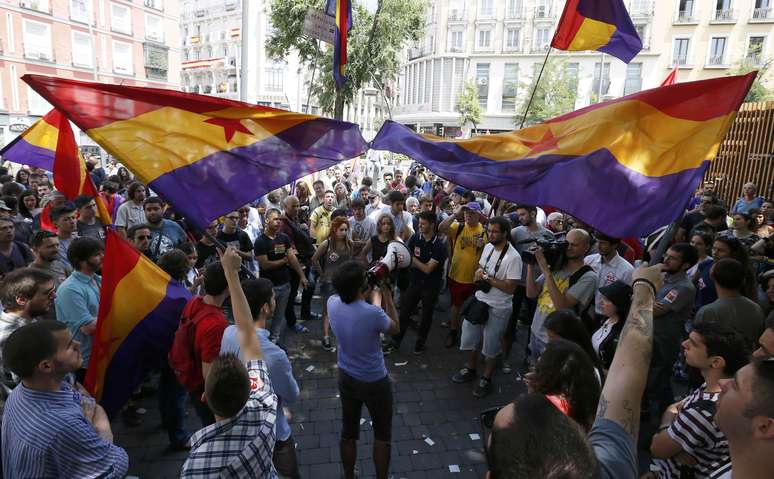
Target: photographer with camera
<point>487,312</point>
<point>565,283</point>
<point>363,375</point>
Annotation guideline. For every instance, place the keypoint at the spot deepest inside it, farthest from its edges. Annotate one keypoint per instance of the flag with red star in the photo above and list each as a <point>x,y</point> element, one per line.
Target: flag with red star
<point>206,156</point>
<point>139,311</point>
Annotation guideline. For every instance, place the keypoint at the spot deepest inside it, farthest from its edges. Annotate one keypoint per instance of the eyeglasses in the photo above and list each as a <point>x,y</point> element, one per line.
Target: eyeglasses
<point>142,237</point>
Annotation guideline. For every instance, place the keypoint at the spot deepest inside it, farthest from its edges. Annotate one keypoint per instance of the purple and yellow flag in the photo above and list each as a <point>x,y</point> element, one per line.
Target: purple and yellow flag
<point>50,144</point>
<point>139,312</point>
<point>602,25</point>
<point>341,10</point>
<point>206,156</point>
<point>625,166</point>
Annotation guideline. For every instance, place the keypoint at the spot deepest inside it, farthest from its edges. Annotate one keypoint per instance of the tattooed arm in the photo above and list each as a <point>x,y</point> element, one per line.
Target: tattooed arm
<point>622,392</point>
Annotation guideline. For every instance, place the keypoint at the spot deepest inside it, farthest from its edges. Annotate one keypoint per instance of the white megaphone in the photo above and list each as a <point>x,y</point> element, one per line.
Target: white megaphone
<point>397,257</point>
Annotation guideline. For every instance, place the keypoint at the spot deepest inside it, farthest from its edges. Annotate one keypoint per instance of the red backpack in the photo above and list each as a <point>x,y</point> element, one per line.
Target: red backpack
<point>183,360</point>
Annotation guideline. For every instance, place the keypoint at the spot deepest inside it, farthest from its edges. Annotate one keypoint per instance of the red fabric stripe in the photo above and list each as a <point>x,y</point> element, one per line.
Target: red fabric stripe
<point>98,104</point>
<point>343,22</point>
<point>697,101</point>
<point>120,259</point>
<point>67,164</point>
<point>569,25</point>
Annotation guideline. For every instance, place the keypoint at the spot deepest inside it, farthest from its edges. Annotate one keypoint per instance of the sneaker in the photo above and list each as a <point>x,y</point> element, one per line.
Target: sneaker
<point>506,365</point>
<point>445,324</point>
<point>452,339</point>
<point>299,328</point>
<point>464,375</point>
<point>483,388</point>
<point>390,348</point>
<point>131,417</point>
<point>326,344</point>
<point>419,347</point>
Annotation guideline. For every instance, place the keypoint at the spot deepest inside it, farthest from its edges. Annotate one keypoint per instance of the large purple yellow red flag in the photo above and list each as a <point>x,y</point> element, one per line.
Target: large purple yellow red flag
<point>206,156</point>
<point>139,312</point>
<point>625,166</point>
<point>341,10</point>
<point>50,144</point>
<point>602,25</point>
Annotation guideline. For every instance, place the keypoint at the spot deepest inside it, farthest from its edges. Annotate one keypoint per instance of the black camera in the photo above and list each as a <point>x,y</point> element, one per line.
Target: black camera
<point>553,250</point>
<point>482,285</point>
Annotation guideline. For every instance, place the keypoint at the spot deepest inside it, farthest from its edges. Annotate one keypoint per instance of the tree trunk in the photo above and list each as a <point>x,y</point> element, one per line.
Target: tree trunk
<point>338,105</point>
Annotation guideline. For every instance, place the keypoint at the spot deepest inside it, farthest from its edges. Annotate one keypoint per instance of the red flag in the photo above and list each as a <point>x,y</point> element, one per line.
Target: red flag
<point>671,79</point>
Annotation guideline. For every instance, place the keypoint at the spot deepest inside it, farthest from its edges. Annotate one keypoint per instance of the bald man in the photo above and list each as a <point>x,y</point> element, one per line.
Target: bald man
<point>571,287</point>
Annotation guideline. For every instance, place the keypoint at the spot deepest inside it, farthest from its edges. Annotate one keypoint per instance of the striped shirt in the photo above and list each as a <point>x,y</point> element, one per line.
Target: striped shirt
<point>240,446</point>
<point>695,430</point>
<point>46,435</point>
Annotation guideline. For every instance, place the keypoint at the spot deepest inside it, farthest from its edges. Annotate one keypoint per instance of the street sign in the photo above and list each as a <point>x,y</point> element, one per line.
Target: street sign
<point>319,25</point>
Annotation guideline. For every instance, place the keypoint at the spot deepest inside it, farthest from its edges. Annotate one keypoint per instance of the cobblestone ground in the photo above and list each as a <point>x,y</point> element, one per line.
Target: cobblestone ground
<point>435,424</point>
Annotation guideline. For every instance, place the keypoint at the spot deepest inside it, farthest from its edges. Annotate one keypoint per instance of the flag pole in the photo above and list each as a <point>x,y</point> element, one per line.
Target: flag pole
<point>534,87</point>
<point>601,70</point>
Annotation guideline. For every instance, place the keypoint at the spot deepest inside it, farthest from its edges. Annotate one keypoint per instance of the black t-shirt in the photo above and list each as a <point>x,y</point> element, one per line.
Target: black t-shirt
<point>20,257</point>
<point>94,231</point>
<point>690,220</point>
<point>274,249</point>
<point>424,251</point>
<point>207,254</point>
<point>238,239</point>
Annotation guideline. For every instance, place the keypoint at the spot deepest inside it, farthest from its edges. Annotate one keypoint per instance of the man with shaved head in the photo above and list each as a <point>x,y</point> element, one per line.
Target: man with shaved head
<point>567,285</point>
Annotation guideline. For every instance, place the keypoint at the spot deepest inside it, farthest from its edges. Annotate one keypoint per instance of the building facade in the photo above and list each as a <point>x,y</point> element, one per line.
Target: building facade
<point>112,41</point>
<point>499,45</point>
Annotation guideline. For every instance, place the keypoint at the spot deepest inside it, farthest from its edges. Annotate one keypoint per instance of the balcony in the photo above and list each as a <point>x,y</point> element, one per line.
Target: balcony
<point>680,60</point>
<point>36,5</point>
<point>40,56</point>
<point>456,16</point>
<point>542,12</point>
<point>157,37</point>
<point>724,16</point>
<point>685,17</point>
<point>715,61</point>
<point>762,15</point>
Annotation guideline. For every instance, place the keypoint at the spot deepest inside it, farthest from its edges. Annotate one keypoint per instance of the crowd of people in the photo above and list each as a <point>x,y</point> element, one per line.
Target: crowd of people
<point>607,335</point>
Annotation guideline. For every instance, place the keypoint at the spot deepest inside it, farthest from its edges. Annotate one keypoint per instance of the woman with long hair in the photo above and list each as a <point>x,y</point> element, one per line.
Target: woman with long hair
<point>342,196</point>
<point>565,324</point>
<point>331,254</point>
<point>28,205</point>
<point>743,230</point>
<point>124,177</point>
<point>23,177</point>
<point>377,245</point>
<point>303,194</point>
<point>761,226</point>
<point>566,375</point>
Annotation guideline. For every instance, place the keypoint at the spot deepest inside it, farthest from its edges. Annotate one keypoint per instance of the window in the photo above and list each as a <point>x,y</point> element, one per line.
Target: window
<point>510,87</point>
<point>755,50</point>
<point>633,81</point>
<point>605,85</point>
<point>763,10</point>
<point>640,7</point>
<point>542,39</point>
<point>484,39</point>
<point>120,18</point>
<point>717,53</point>
<point>685,11</point>
<point>14,87</point>
<point>723,12</point>
<point>571,70</point>
<point>82,54</point>
<point>79,11</point>
<point>122,58</point>
<point>456,10</point>
<point>10,31</point>
<point>455,41</point>
<point>37,41</point>
<point>485,8</point>
<point>154,28</point>
<point>512,37</point>
<point>641,29</point>
<point>154,4</point>
<point>513,9</point>
<point>36,105</point>
<point>542,8</point>
<point>482,82</point>
<point>680,51</point>
<point>274,78</point>
<point>39,5</point>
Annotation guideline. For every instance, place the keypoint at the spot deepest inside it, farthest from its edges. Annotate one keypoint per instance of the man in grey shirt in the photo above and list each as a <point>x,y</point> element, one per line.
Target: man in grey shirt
<point>731,308</point>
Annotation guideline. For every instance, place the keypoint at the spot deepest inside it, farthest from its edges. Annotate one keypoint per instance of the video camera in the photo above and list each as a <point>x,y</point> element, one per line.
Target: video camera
<point>553,250</point>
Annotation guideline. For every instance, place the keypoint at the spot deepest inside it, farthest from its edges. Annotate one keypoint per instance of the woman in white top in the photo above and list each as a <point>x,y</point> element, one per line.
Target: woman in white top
<point>616,302</point>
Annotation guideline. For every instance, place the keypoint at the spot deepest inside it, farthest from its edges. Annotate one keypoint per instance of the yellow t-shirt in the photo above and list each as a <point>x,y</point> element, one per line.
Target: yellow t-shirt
<point>321,223</point>
<point>466,253</point>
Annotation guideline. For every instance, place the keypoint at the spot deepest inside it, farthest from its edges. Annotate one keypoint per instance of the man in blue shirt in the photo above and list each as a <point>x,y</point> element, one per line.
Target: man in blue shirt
<point>165,234</point>
<point>77,299</point>
<point>49,428</point>
<point>260,297</point>
<point>363,376</point>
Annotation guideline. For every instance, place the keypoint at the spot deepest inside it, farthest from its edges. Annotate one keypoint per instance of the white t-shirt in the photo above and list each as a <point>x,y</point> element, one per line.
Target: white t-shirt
<point>361,230</point>
<point>510,268</point>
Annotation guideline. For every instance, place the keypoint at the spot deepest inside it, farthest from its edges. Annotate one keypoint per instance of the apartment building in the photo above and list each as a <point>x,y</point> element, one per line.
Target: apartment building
<point>113,41</point>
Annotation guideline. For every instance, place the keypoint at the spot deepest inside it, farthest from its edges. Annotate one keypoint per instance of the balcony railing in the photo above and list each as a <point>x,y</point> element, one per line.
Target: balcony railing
<point>456,15</point>
<point>40,56</point>
<point>716,60</point>
<point>763,13</point>
<point>680,59</point>
<point>685,16</point>
<point>725,15</point>
<point>754,59</point>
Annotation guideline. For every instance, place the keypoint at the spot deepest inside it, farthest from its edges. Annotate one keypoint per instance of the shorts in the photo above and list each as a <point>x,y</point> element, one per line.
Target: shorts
<point>490,333</point>
<point>376,395</point>
<point>326,290</point>
<point>459,292</point>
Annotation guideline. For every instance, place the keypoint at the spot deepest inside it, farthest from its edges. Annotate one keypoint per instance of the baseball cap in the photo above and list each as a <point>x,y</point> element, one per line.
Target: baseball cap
<point>618,293</point>
<point>473,205</point>
<point>3,206</point>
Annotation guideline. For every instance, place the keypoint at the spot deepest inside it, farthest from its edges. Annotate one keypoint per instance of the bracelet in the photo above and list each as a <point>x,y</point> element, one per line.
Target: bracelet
<point>647,282</point>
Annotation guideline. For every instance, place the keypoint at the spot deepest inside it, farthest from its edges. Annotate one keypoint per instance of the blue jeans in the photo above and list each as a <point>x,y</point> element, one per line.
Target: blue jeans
<point>172,406</point>
<point>536,347</point>
<point>278,322</point>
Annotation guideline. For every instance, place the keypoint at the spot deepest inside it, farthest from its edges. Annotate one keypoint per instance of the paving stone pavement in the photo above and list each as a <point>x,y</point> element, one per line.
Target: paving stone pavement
<point>432,423</point>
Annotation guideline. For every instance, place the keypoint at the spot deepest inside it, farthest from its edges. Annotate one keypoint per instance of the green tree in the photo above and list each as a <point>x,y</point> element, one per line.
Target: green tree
<point>758,91</point>
<point>374,44</point>
<point>468,106</point>
<point>555,95</point>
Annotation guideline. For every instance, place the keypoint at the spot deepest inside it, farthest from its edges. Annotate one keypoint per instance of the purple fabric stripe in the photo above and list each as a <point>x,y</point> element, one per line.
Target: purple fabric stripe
<point>226,180</point>
<point>146,346</point>
<point>596,187</point>
<point>608,11</point>
<point>625,44</point>
<point>25,153</point>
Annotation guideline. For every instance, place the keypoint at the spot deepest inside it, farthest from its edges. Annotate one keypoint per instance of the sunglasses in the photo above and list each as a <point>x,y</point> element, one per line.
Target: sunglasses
<point>142,237</point>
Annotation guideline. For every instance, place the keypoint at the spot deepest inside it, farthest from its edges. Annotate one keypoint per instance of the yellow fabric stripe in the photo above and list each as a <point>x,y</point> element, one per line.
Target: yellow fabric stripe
<point>42,135</point>
<point>642,138</point>
<point>163,140</point>
<point>591,35</point>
